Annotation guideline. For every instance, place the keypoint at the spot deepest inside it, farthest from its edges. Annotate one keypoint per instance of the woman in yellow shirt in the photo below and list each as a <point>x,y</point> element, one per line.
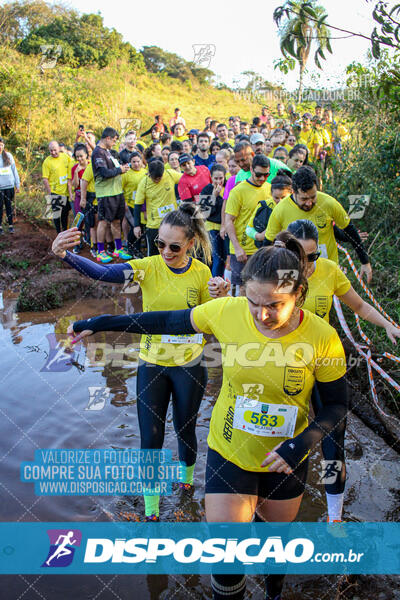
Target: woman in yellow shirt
<point>168,364</point>
<point>272,354</point>
<point>326,279</point>
<point>130,182</point>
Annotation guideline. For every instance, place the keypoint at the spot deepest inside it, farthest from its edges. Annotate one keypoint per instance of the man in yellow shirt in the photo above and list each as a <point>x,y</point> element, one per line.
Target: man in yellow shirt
<point>307,136</point>
<point>240,205</point>
<point>157,190</point>
<point>323,210</point>
<point>55,181</point>
<point>222,132</point>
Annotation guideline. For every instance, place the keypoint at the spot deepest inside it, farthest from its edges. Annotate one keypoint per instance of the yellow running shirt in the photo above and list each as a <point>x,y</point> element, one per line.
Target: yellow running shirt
<point>162,289</point>
<point>130,182</point>
<point>324,212</point>
<point>308,139</point>
<point>267,383</point>
<point>88,176</point>
<point>328,279</point>
<point>241,203</point>
<point>159,197</point>
<point>56,171</point>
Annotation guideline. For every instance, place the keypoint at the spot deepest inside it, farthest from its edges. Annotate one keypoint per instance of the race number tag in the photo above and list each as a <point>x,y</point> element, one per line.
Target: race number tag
<point>164,210</point>
<point>5,171</point>
<point>63,179</point>
<point>268,420</point>
<point>115,161</point>
<point>323,250</point>
<point>197,338</point>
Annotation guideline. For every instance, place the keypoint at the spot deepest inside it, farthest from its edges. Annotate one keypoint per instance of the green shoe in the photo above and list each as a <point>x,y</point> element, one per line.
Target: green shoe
<point>103,257</point>
<point>122,254</point>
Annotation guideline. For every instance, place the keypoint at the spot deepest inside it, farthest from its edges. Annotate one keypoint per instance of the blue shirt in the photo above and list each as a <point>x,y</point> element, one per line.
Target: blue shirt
<point>206,162</point>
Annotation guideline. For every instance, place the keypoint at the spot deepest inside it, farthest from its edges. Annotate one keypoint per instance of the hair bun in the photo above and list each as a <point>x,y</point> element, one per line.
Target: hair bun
<point>279,244</point>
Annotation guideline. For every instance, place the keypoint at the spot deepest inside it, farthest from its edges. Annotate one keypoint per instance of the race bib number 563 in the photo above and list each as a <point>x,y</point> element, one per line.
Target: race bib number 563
<point>260,418</point>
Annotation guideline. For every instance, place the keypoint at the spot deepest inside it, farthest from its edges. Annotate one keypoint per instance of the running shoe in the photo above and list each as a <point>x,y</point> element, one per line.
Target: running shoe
<point>122,254</point>
<point>93,252</point>
<point>76,250</point>
<point>11,229</point>
<point>186,486</point>
<point>152,518</point>
<point>1,231</point>
<point>103,257</point>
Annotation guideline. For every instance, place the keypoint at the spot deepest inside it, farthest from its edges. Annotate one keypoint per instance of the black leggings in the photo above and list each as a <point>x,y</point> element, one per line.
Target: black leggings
<point>6,197</point>
<point>332,447</point>
<point>60,222</point>
<point>151,235</point>
<point>155,385</point>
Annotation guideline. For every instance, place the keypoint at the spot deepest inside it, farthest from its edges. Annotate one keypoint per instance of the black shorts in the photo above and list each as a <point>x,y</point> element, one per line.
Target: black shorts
<point>236,270</point>
<point>90,210</point>
<point>111,208</point>
<point>224,477</point>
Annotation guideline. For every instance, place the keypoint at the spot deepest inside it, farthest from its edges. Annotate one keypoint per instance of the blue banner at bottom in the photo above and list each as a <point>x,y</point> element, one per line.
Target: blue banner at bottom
<point>166,548</point>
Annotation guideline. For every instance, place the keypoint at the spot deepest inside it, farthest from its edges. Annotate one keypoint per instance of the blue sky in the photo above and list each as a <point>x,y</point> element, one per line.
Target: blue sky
<point>243,33</point>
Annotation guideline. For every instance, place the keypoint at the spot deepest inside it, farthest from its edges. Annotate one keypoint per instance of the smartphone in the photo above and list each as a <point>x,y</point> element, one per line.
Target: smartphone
<point>78,221</point>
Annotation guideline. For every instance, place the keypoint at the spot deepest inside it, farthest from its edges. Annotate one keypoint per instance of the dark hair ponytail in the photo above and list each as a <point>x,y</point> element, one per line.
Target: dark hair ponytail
<point>5,156</point>
<point>286,255</point>
<point>190,218</point>
<point>303,229</point>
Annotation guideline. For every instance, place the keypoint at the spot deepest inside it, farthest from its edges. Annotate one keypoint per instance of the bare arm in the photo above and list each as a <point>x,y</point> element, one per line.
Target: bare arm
<point>369,313</point>
<point>46,185</point>
<point>230,229</point>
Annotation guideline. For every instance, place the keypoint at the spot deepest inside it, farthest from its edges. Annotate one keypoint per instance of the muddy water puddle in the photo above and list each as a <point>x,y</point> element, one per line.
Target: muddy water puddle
<point>47,402</point>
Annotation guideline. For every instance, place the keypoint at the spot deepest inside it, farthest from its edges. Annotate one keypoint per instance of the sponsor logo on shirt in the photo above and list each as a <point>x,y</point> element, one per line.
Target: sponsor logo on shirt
<point>320,220</point>
<point>293,382</point>
<point>321,306</point>
<point>192,297</point>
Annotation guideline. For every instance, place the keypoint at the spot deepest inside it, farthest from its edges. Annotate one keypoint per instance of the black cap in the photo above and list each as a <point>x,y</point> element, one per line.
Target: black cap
<point>185,158</point>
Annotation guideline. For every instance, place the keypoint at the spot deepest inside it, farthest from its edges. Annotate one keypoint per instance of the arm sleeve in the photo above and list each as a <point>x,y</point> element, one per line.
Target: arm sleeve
<point>333,396</point>
<point>15,173</point>
<point>350,234</point>
<point>106,173</point>
<point>251,232</point>
<point>100,168</point>
<point>109,273</point>
<point>339,235</point>
<point>137,211</point>
<point>147,132</point>
<point>165,321</point>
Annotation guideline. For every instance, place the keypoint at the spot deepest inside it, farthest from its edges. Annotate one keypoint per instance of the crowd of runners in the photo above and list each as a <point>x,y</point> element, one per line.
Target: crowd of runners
<point>227,232</point>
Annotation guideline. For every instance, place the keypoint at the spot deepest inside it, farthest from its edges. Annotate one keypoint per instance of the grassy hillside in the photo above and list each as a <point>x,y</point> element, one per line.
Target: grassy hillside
<point>37,107</point>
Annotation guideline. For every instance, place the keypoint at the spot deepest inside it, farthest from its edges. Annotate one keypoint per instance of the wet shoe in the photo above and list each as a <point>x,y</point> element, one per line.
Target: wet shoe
<point>122,254</point>
<point>103,257</point>
<point>188,487</point>
<point>152,518</point>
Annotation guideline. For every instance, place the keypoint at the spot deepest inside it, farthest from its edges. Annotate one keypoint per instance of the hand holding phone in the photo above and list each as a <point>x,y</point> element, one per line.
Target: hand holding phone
<point>78,221</point>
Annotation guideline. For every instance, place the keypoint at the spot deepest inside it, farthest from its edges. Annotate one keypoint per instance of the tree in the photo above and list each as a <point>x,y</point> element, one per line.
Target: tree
<point>303,23</point>
<point>20,17</point>
<point>84,41</point>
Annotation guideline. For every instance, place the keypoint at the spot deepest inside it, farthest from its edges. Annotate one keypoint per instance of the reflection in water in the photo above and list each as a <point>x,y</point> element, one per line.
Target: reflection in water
<point>87,400</point>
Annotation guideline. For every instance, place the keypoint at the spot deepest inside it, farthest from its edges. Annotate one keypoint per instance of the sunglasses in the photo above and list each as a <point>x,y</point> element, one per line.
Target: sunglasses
<point>313,256</point>
<point>161,245</point>
<point>259,175</point>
